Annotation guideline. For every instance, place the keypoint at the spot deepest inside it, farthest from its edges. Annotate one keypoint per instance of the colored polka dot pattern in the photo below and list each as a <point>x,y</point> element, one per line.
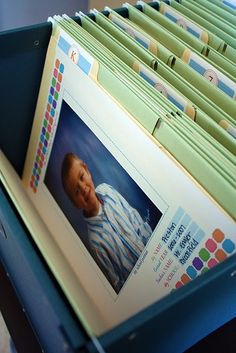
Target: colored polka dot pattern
<point>216,249</point>
<point>46,129</point>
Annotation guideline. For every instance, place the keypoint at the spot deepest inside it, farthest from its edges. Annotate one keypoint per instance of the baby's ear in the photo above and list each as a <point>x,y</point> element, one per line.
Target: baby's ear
<point>85,166</point>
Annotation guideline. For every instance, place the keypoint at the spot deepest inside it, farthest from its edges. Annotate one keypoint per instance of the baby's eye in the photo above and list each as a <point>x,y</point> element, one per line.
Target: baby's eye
<point>81,177</point>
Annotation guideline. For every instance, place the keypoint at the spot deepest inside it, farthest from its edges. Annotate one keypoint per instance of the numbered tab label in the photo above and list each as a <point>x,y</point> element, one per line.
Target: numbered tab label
<point>230,3</point>
<point>212,74</point>
<point>139,37</point>
<point>183,22</point>
<point>167,91</point>
<point>76,53</point>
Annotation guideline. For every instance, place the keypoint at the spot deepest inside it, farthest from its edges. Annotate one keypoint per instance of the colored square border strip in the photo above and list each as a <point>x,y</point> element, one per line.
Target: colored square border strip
<point>46,128</point>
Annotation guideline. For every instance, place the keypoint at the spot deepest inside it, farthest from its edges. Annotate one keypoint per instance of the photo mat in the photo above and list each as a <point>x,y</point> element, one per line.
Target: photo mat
<point>74,136</point>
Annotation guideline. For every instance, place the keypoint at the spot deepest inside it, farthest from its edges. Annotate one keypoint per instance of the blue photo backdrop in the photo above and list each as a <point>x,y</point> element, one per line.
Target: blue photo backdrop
<point>73,135</point>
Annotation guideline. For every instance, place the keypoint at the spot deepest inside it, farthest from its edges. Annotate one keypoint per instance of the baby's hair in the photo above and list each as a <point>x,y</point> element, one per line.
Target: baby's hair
<point>67,163</point>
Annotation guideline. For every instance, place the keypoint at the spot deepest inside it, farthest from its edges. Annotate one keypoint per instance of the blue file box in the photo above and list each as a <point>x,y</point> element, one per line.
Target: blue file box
<point>172,324</point>
<point>37,293</point>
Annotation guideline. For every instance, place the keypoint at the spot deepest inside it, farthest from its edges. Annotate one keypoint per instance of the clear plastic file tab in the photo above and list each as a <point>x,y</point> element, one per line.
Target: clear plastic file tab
<point>166,90</point>
<point>134,33</point>
<point>183,22</point>
<point>213,75</point>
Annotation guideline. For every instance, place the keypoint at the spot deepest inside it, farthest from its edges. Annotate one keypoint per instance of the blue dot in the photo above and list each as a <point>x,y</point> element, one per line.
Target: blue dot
<point>61,68</point>
<point>43,130</point>
<point>52,112</point>
<point>45,143</point>
<point>228,246</point>
<point>34,171</point>
<point>191,272</point>
<point>50,99</point>
<point>42,138</point>
<point>44,150</point>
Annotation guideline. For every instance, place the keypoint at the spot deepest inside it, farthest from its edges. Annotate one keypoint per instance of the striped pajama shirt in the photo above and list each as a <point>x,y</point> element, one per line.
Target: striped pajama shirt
<point>117,235</point>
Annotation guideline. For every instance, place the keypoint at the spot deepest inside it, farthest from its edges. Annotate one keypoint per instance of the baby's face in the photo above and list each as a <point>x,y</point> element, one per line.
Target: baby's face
<point>80,187</point>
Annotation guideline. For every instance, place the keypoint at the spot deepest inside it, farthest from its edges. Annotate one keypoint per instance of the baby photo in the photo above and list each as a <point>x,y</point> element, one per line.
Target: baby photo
<point>109,212</point>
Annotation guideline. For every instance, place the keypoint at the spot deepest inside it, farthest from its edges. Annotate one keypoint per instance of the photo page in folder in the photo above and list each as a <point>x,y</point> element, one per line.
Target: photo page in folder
<point>126,199</point>
<point>126,217</point>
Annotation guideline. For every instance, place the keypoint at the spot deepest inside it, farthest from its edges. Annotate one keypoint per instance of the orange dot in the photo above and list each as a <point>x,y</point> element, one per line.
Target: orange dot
<point>57,64</point>
<point>220,255</point>
<point>59,77</point>
<point>185,278</point>
<point>218,235</point>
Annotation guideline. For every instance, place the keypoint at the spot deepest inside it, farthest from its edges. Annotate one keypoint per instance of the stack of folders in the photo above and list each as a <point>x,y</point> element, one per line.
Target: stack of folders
<point>142,101</point>
<point>173,66</point>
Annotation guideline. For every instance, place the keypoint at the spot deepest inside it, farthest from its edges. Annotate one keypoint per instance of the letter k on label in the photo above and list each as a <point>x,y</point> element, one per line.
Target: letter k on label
<point>73,54</point>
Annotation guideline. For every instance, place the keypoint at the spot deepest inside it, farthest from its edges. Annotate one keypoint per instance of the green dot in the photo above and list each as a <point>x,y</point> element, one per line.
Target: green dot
<point>205,269</point>
<point>37,158</point>
<point>39,170</point>
<point>56,95</point>
<point>204,254</point>
<point>47,135</point>
<point>45,123</point>
<point>54,82</point>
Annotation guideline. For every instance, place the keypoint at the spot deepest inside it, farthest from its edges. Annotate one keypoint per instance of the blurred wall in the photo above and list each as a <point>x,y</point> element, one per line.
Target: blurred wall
<point>18,13</point>
<point>99,4</point>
